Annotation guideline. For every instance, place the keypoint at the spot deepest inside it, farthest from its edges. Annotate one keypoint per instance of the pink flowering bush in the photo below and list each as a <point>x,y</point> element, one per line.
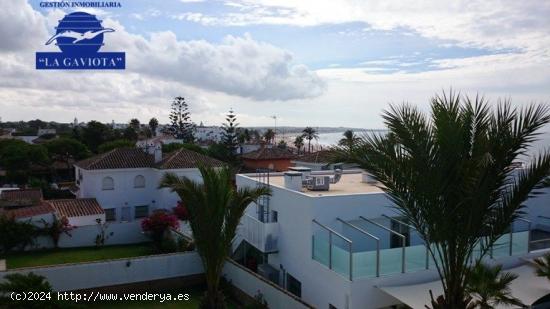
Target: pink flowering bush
<point>157,224</point>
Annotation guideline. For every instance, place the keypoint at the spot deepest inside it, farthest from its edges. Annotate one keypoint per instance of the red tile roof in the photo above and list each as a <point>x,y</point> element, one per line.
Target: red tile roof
<point>20,198</point>
<point>76,207</point>
<point>27,212</point>
<point>137,158</point>
<point>118,158</point>
<point>265,153</point>
<point>183,158</point>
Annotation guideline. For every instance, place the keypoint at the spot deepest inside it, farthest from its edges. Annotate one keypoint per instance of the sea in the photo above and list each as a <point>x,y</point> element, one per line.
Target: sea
<point>328,139</point>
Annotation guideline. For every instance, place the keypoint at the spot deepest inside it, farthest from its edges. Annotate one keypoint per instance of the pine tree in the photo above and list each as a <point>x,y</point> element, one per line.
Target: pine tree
<point>182,127</point>
<point>229,137</point>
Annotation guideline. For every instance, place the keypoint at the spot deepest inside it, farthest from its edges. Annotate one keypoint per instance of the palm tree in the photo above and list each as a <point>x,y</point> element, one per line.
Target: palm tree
<point>348,140</point>
<point>489,287</point>
<point>215,209</point>
<point>269,135</point>
<point>452,176</point>
<point>542,266</point>
<point>310,133</point>
<point>299,142</point>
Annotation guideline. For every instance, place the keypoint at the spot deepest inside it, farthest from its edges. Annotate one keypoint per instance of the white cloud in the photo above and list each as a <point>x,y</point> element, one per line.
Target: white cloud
<point>158,68</point>
<point>481,23</point>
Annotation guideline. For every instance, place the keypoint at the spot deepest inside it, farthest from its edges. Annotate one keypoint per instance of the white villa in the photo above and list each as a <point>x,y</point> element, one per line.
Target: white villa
<point>334,240</point>
<point>125,181</point>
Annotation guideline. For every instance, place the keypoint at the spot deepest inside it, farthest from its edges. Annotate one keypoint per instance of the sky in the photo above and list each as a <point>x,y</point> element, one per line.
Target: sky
<point>309,63</point>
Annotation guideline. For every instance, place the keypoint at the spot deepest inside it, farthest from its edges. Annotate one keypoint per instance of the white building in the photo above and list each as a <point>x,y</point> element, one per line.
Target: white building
<point>209,133</point>
<point>125,181</point>
<point>337,242</point>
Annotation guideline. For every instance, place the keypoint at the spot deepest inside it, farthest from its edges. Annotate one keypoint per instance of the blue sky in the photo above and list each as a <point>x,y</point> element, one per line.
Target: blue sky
<point>337,63</point>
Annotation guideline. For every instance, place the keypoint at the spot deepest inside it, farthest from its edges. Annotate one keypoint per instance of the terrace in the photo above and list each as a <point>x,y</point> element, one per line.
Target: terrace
<point>351,182</point>
<point>368,248</point>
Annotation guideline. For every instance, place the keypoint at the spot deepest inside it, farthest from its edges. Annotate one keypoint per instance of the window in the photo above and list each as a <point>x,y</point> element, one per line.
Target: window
<point>293,285</point>
<point>139,181</point>
<point>110,214</point>
<point>141,211</point>
<point>108,184</point>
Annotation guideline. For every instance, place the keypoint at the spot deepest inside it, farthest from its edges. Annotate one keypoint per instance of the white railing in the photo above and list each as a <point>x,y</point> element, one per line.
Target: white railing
<point>263,236</point>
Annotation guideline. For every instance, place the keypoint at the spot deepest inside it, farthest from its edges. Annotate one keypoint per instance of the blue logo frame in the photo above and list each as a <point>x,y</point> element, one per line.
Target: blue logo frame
<point>79,36</point>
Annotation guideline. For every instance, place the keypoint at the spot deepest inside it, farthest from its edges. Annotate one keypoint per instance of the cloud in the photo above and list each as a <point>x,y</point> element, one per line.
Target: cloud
<point>158,68</point>
<point>238,66</point>
<point>481,23</point>
<point>20,26</point>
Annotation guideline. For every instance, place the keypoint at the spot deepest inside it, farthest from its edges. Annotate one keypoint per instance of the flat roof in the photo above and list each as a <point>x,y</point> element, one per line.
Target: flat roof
<point>350,183</point>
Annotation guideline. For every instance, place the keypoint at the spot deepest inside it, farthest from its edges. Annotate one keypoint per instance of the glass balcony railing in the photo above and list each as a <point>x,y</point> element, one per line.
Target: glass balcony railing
<point>344,254</point>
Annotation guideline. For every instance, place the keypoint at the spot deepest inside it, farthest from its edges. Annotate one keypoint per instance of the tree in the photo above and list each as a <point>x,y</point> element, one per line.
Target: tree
<point>167,148</point>
<point>119,143</point>
<point>299,142</point>
<point>269,136</point>
<point>453,178</point>
<point>215,208</point>
<point>182,127</point>
<point>153,125</point>
<point>488,287</point>
<point>135,124</point>
<point>348,140</point>
<point>130,134</point>
<point>542,266</point>
<point>16,157</point>
<point>310,133</point>
<point>15,234</point>
<point>96,133</point>
<point>282,144</point>
<point>229,136</point>
<point>65,149</point>
<point>25,283</point>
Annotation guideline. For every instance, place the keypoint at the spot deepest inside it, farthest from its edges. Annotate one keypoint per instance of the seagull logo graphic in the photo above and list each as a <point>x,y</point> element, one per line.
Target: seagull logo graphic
<point>77,36</point>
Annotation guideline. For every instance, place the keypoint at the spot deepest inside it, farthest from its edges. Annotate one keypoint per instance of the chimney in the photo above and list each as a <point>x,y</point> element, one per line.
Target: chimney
<point>293,181</point>
<point>158,153</point>
<point>155,149</point>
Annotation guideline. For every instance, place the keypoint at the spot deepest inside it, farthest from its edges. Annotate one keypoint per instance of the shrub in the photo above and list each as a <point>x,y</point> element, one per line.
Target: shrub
<point>14,234</point>
<point>24,283</point>
<point>157,225</point>
<point>55,229</point>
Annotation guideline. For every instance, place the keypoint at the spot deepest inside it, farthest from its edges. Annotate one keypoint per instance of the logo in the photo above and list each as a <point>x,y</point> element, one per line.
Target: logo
<point>79,36</point>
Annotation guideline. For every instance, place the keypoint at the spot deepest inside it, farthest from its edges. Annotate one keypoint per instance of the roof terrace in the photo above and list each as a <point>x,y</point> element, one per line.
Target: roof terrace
<point>350,182</point>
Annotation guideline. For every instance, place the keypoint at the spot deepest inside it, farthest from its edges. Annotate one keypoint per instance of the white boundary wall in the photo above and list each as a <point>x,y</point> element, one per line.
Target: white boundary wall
<point>252,284</point>
<point>68,277</point>
<point>117,233</point>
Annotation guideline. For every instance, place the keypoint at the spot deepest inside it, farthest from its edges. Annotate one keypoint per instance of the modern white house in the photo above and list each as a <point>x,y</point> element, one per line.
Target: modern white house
<point>125,181</point>
<point>334,239</point>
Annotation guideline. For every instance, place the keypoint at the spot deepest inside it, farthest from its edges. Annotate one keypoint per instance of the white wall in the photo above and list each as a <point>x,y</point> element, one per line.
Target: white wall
<point>320,285</point>
<point>78,276</point>
<point>84,236</point>
<point>252,285</point>
<point>125,194</point>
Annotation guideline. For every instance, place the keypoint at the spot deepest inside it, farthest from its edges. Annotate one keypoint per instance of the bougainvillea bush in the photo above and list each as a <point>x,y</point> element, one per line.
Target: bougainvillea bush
<point>157,225</point>
<point>181,211</point>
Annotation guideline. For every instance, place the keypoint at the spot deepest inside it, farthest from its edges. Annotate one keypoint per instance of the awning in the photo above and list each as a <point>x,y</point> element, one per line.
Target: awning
<point>527,287</point>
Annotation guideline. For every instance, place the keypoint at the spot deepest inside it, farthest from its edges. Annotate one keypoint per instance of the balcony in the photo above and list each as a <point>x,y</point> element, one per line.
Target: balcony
<point>366,248</point>
<point>262,235</point>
